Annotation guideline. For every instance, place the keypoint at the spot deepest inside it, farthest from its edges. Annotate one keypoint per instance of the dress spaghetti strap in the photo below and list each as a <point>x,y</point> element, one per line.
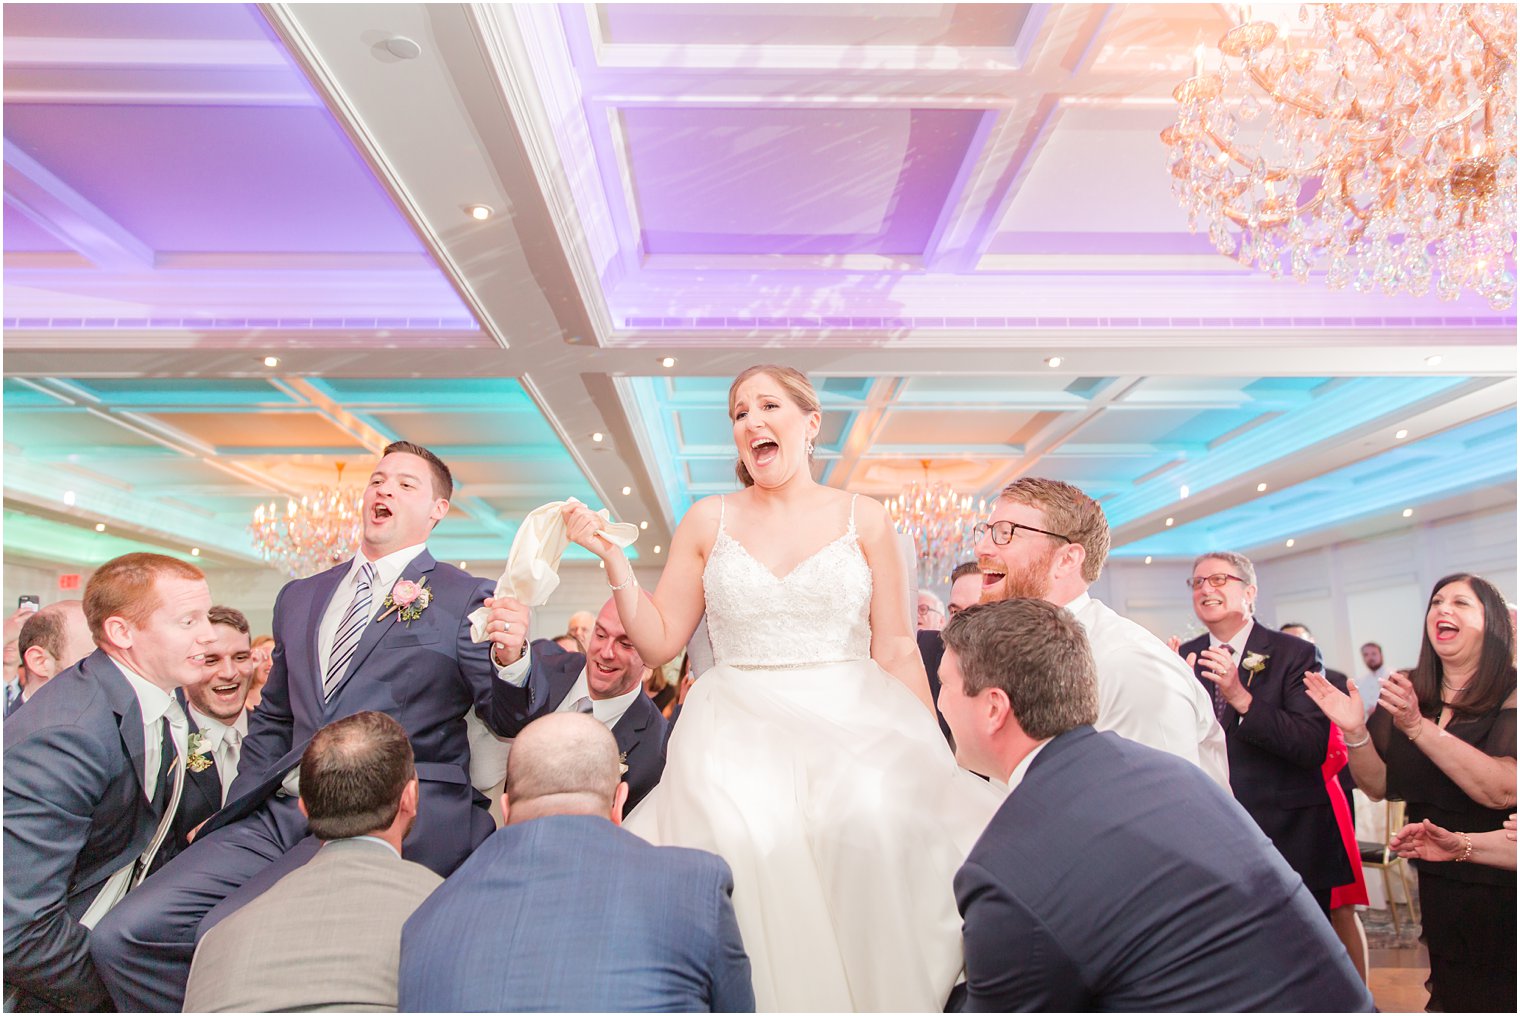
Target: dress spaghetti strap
<point>720,513</point>
<point>851,530</point>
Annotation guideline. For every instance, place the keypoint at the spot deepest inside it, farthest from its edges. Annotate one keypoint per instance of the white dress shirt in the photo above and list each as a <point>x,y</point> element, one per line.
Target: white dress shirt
<point>158,707</point>
<point>387,570</point>
<point>224,742</point>
<point>1019,771</point>
<point>608,710</point>
<point>1146,692</point>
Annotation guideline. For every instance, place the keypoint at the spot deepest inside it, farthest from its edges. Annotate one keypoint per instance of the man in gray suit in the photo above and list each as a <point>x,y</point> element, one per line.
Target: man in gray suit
<point>568,912</point>
<point>327,936</point>
<point>1115,877</point>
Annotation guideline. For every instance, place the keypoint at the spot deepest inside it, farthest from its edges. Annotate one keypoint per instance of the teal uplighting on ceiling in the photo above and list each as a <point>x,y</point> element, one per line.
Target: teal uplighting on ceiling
<point>1453,463</point>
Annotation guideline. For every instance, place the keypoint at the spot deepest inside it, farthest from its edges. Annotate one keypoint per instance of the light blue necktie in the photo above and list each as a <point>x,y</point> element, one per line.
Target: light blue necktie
<point>350,630</point>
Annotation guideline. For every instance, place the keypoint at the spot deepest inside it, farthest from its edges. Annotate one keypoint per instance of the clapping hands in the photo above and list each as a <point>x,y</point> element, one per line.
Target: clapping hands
<point>1344,708</point>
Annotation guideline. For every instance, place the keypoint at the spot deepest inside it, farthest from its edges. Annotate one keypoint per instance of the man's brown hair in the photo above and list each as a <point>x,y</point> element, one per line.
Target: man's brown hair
<point>352,776</point>
<point>126,587</point>
<point>230,616</point>
<point>443,480</point>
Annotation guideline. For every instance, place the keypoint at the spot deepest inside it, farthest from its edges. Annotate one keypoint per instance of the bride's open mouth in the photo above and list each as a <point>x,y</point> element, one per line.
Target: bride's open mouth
<point>764,451</point>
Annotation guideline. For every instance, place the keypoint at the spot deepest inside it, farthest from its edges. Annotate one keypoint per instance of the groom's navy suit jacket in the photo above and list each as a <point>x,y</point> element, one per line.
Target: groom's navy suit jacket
<point>640,734</point>
<point>426,673</point>
<point>1276,752</point>
<point>75,812</point>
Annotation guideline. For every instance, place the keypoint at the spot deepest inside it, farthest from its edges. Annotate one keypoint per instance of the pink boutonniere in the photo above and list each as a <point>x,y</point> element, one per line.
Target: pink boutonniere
<point>407,600</point>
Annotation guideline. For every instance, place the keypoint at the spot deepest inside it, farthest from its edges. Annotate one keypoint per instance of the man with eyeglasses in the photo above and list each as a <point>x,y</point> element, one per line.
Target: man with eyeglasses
<point>1276,735</point>
<point>1047,540</point>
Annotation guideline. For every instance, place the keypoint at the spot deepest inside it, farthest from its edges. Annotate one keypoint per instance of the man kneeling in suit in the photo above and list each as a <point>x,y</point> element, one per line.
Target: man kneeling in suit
<point>327,937</point>
<point>1115,876</point>
<point>566,911</point>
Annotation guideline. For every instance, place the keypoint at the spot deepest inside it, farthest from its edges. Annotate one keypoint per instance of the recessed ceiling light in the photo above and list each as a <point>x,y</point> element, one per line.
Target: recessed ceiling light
<point>1260,487</point>
<point>100,527</point>
<point>1147,559</point>
<point>1183,491</point>
<point>480,213</point>
<point>1170,520</point>
<point>644,524</point>
<point>402,48</point>
<point>1052,361</point>
<point>627,490</point>
<point>657,548</point>
<point>602,565</point>
<point>463,565</point>
<point>1289,543</point>
<point>1400,435</point>
<point>1408,512</point>
<point>271,361</point>
<point>195,552</point>
<point>1433,360</point>
<point>668,361</point>
<point>68,498</point>
<point>597,437</point>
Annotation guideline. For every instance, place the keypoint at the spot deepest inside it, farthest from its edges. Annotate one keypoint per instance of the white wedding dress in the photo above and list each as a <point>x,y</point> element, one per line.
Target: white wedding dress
<point>825,785</point>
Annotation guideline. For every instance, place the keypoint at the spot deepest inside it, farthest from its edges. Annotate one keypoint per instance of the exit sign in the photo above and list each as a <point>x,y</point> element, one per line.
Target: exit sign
<point>68,583</point>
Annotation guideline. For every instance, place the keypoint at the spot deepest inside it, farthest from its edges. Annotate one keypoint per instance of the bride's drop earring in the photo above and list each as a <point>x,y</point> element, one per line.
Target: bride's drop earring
<point>810,447</point>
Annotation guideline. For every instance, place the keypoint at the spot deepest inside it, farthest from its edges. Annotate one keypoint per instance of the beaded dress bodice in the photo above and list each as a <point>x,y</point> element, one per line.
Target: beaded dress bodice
<point>817,613</point>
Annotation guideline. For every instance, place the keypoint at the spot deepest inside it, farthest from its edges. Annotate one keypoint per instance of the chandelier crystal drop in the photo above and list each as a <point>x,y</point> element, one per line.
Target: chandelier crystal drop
<point>1375,141</point>
<point>313,533</point>
<point>939,521</point>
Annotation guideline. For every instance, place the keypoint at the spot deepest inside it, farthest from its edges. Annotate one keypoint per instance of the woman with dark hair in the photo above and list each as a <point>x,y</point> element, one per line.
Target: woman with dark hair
<point>1443,740</point>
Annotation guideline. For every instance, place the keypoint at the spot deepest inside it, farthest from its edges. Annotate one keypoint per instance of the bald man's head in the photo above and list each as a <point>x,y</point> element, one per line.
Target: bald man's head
<point>564,764</point>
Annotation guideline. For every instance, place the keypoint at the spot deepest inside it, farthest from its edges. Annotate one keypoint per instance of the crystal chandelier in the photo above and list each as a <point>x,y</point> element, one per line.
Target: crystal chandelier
<point>1379,138</point>
<point>939,521</point>
<point>311,534</point>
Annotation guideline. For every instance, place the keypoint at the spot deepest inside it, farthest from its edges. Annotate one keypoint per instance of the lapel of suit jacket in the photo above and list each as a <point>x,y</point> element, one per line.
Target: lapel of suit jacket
<point>322,589</point>
<point>632,724</point>
<point>123,700</point>
<point>1259,641</point>
<point>375,630</point>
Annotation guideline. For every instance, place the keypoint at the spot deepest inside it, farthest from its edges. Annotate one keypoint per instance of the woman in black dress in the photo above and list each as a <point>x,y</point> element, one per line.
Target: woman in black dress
<point>1443,740</point>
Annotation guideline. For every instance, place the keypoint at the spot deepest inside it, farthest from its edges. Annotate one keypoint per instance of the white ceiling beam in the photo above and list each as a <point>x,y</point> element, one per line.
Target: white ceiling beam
<point>867,424</point>
<point>33,189</point>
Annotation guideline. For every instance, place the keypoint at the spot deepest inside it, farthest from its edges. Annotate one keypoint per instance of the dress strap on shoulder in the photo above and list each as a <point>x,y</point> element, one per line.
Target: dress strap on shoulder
<point>853,498</point>
<point>720,513</point>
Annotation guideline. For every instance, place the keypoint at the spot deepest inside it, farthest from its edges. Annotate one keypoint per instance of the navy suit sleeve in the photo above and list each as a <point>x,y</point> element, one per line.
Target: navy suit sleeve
<point>271,725</point>
<point>1293,728</point>
<point>1012,963</point>
<point>55,779</point>
<point>732,986</point>
<point>478,670</point>
<point>512,708</point>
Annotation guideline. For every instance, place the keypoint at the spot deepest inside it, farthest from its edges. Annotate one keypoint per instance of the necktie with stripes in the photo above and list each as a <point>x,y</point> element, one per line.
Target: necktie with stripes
<point>350,629</point>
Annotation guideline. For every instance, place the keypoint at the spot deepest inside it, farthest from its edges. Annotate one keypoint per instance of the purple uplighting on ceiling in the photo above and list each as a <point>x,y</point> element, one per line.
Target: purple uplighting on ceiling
<point>759,181</point>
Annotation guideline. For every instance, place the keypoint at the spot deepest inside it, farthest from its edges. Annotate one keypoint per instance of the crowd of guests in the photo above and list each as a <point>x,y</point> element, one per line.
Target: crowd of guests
<point>198,819</point>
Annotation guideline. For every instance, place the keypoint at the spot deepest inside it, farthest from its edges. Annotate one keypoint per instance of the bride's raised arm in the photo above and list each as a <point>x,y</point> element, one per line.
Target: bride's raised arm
<point>893,645</point>
<point>658,627</point>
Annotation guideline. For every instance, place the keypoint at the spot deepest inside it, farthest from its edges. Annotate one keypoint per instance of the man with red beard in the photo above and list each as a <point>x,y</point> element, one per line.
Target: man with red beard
<point>1047,540</point>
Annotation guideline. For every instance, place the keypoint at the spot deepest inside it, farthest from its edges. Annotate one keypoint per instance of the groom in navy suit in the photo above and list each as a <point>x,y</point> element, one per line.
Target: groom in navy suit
<point>1276,736</point>
<point>388,631</point>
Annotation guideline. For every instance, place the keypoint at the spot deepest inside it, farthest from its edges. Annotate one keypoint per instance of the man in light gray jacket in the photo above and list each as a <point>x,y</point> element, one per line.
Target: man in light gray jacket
<point>327,936</point>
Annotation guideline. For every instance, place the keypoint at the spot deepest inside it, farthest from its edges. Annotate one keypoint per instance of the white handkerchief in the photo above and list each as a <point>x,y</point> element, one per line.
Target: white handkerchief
<point>533,563</point>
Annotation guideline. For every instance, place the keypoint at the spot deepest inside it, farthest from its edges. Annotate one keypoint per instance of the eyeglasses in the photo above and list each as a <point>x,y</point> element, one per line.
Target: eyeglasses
<point>927,608</point>
<point>1216,580</point>
<point>1002,532</point>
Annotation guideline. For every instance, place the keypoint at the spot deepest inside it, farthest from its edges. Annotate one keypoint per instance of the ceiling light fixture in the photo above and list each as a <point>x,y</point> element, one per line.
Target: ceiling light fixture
<point>312,534</point>
<point>644,524</point>
<point>627,491</point>
<point>1289,543</point>
<point>1378,139</point>
<point>195,552</point>
<point>1052,361</point>
<point>100,527</point>
<point>939,521</point>
<point>480,213</point>
<point>668,362</point>
<point>658,548</point>
<point>1183,492</point>
<point>402,48</point>
<point>271,361</point>
<point>597,437</point>
<point>1170,520</point>
<point>463,565</point>
<point>1400,435</point>
<point>1261,487</point>
<point>1408,512</point>
<point>1433,360</point>
<point>68,498</point>
<point>1147,559</point>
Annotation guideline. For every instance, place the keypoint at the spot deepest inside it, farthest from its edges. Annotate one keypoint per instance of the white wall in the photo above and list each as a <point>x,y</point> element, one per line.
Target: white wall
<point>1371,590</point>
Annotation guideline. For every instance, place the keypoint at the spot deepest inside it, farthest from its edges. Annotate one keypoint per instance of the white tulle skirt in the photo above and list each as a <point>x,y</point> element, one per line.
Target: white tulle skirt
<point>832,795</point>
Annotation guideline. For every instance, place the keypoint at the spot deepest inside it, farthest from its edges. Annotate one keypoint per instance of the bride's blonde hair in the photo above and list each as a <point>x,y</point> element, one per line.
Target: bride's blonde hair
<point>792,381</point>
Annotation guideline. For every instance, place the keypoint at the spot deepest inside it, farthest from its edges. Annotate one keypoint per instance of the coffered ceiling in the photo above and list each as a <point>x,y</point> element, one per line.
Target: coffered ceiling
<point>957,218</point>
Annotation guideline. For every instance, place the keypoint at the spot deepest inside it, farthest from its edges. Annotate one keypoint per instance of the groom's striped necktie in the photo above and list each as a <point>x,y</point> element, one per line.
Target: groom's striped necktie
<point>350,630</point>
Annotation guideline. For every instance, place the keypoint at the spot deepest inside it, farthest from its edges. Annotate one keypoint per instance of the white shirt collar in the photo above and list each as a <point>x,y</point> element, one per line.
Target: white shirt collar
<point>1017,776</point>
<point>213,729</point>
<point>388,569</point>
<point>608,711</point>
<point>1081,601</point>
<point>151,699</point>
<point>1237,641</point>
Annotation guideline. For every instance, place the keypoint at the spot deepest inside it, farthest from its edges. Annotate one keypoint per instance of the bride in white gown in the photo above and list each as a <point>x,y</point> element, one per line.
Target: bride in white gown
<point>807,756</point>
